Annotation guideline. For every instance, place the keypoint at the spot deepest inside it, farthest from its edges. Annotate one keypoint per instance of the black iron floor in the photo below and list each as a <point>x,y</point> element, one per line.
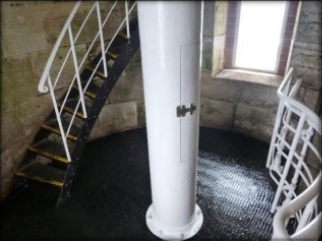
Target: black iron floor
<point>112,193</point>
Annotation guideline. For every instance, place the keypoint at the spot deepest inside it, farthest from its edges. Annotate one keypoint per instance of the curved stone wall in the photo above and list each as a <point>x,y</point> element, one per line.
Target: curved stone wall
<point>230,100</point>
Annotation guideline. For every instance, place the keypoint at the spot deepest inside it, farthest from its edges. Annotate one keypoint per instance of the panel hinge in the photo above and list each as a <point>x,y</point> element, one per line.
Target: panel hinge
<point>182,110</point>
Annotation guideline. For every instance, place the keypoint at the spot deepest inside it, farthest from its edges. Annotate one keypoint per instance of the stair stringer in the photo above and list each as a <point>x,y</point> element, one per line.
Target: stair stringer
<point>121,62</point>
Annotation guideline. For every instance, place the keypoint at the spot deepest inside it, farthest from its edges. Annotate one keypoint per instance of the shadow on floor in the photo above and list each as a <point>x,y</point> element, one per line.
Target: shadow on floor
<point>112,193</point>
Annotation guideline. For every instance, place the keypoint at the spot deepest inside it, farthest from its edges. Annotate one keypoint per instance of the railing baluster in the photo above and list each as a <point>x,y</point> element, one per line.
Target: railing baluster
<point>101,37</point>
<point>127,19</point>
<point>112,39</point>
<point>67,94</point>
<point>80,88</point>
<point>52,94</point>
<point>118,30</point>
<point>62,67</point>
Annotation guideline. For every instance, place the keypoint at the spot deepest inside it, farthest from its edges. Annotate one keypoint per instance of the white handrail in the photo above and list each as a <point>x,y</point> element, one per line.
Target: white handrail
<point>41,86</point>
<point>296,204</point>
<point>46,84</point>
<point>281,93</point>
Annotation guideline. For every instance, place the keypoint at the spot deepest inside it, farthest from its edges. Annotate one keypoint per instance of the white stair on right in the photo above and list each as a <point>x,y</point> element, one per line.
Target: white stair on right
<point>292,147</point>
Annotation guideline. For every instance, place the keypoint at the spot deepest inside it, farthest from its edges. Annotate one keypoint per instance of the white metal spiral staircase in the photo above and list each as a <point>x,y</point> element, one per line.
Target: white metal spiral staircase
<point>298,187</point>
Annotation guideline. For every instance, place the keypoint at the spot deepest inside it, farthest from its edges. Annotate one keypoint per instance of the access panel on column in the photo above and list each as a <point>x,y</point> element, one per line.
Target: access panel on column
<point>189,92</point>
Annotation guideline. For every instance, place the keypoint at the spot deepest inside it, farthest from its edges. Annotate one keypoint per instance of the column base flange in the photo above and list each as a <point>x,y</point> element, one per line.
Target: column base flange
<point>174,234</point>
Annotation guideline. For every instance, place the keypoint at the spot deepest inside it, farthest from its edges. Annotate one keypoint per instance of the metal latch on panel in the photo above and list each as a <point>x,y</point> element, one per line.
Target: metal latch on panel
<point>182,110</point>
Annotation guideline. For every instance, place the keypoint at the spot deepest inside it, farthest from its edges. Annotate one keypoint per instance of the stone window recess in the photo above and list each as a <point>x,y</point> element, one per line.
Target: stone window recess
<point>287,34</point>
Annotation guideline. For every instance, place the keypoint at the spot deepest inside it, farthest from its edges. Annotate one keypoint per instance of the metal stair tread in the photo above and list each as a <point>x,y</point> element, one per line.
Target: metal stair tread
<point>54,127</point>
<point>43,173</point>
<point>99,72</point>
<point>91,90</point>
<point>51,149</point>
<point>111,54</point>
<point>123,35</point>
<point>70,107</point>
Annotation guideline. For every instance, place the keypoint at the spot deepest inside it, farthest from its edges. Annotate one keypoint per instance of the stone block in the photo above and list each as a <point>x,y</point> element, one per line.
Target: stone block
<point>60,8</point>
<point>7,173</point>
<point>310,11</point>
<point>217,64</point>
<point>11,128</point>
<point>6,183</point>
<point>221,11</point>
<point>19,149</point>
<point>129,87</point>
<point>33,112</point>
<point>214,113</point>
<point>116,17</point>
<point>259,95</point>
<point>254,121</point>
<point>218,53</point>
<point>135,63</point>
<point>218,89</point>
<point>207,59</point>
<point>208,18</point>
<point>309,25</point>
<point>219,43</point>
<point>141,112</point>
<point>54,22</point>
<point>312,99</point>
<point>250,77</point>
<point>7,165</point>
<point>18,82</point>
<point>118,117</point>
<point>309,37</point>
<point>311,76</point>
<point>306,58</point>
<point>96,132</point>
<point>17,24</point>
<point>306,46</point>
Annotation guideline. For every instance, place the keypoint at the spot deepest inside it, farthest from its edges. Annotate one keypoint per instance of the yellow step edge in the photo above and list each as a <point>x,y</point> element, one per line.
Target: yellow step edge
<point>114,56</point>
<point>70,110</point>
<point>99,73</point>
<point>87,92</point>
<point>123,35</point>
<point>55,183</point>
<point>57,131</point>
<point>48,154</point>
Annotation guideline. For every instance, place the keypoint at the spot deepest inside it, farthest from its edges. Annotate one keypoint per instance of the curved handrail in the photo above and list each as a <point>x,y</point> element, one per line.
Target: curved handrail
<point>308,112</point>
<point>41,86</point>
<point>295,205</point>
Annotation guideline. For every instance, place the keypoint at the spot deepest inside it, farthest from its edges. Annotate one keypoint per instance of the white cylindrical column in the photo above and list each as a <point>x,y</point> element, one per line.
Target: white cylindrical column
<point>170,35</point>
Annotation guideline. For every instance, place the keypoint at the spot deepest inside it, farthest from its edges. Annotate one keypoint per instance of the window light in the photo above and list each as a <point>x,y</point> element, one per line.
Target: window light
<point>259,35</point>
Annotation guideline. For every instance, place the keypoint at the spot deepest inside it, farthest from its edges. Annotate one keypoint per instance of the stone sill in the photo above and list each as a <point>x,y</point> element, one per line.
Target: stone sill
<point>272,80</point>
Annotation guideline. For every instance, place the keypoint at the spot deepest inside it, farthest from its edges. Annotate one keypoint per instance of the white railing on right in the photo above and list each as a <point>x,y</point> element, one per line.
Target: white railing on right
<point>292,147</point>
<point>46,82</point>
<point>312,230</point>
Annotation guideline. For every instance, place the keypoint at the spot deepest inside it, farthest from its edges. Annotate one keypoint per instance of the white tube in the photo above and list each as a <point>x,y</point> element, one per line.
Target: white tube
<point>170,35</point>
